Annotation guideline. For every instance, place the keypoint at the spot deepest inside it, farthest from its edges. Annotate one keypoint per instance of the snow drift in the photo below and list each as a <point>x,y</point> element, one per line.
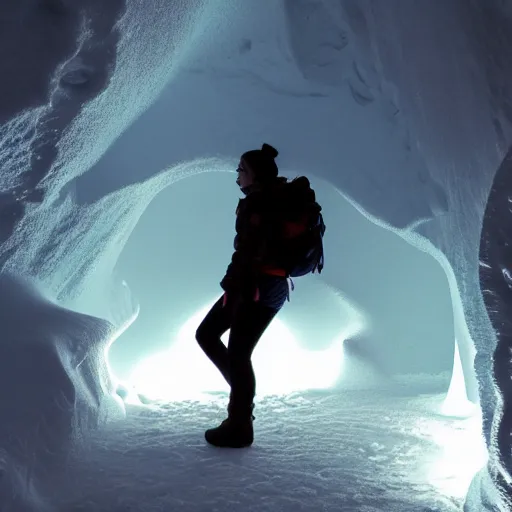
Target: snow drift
<point>402,106</point>
<point>55,387</point>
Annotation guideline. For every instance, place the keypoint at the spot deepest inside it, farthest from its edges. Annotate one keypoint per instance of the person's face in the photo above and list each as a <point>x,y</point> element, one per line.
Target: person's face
<point>245,175</point>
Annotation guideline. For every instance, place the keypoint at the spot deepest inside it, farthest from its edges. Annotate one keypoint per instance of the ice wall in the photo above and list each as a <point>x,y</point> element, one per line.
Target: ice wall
<point>75,74</point>
<point>404,78</point>
<point>496,284</point>
<point>446,60</point>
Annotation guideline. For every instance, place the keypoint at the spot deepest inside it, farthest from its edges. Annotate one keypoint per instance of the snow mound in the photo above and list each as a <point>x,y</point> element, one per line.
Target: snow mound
<point>18,491</point>
<point>55,387</point>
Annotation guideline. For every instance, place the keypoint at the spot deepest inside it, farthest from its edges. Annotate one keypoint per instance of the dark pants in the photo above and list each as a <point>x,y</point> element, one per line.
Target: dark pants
<point>247,321</point>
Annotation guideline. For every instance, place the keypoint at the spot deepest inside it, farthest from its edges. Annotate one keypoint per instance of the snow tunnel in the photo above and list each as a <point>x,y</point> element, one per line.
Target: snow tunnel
<point>400,114</point>
<point>379,314</point>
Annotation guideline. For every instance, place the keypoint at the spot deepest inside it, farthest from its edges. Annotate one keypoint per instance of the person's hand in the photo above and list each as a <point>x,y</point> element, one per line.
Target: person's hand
<point>243,290</point>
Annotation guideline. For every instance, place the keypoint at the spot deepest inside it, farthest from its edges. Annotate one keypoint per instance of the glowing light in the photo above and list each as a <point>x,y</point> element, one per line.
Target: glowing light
<point>454,465</point>
<point>184,372</point>
<point>462,454</point>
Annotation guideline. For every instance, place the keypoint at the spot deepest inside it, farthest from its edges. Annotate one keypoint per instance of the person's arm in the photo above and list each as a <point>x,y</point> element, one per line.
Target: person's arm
<point>253,232</point>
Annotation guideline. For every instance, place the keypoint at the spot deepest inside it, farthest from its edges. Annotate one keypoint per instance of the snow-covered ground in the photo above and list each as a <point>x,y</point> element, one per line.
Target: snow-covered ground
<point>355,451</point>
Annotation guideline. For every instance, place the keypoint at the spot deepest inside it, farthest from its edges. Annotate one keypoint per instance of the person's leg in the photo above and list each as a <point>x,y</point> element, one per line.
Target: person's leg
<point>249,322</point>
<point>213,326</point>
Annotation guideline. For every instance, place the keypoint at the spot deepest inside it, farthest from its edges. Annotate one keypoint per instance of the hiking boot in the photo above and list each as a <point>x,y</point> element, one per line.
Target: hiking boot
<point>236,431</point>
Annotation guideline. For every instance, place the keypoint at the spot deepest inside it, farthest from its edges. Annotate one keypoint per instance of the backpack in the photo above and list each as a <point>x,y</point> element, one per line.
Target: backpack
<point>303,229</point>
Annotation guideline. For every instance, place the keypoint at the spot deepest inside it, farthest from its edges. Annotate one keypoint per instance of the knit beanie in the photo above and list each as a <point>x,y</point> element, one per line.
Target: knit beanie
<point>262,162</point>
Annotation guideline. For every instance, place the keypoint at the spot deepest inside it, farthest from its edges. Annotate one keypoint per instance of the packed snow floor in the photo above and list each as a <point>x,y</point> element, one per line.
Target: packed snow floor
<point>350,451</point>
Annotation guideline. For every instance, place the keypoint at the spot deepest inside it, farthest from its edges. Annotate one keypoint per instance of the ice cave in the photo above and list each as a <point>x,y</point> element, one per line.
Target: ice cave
<point>384,384</point>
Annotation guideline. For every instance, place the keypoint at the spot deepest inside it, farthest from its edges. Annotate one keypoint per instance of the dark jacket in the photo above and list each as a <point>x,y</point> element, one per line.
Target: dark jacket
<point>259,243</point>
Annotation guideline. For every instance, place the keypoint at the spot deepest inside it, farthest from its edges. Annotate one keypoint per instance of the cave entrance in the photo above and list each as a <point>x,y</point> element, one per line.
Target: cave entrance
<point>381,310</point>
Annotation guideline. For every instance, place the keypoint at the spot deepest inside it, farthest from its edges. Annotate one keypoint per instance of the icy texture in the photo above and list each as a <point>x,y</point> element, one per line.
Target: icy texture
<point>313,452</point>
<point>93,79</point>
<point>402,106</point>
<point>496,282</point>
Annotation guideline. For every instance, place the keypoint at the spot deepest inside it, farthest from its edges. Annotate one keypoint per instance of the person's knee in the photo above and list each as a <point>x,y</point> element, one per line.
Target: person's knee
<point>202,336</point>
<point>239,357</point>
